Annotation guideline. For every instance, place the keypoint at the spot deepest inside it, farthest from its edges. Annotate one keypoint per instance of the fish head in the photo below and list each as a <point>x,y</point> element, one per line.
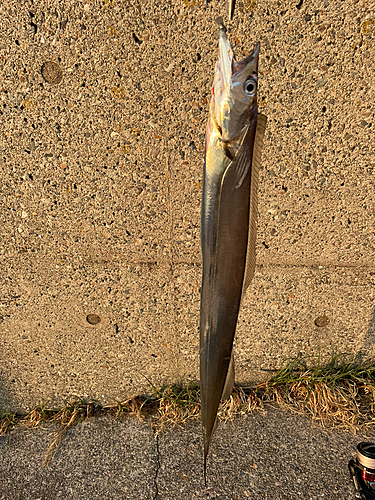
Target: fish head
<point>234,92</point>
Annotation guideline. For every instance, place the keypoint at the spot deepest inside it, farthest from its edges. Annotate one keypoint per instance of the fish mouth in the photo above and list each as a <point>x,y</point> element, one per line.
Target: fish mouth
<point>227,66</point>
<point>226,59</point>
<point>229,105</point>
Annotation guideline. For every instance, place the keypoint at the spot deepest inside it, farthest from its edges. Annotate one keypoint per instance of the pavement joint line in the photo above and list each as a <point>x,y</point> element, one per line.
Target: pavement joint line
<point>258,266</point>
<point>318,266</point>
<point>173,262</point>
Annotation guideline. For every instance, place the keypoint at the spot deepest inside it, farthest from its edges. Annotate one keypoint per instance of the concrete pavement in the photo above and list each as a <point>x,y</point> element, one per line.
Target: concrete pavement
<point>272,456</point>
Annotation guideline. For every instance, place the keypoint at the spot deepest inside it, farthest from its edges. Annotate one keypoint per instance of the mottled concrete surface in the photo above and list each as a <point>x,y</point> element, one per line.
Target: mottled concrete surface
<point>101,170</point>
<point>270,456</point>
<point>98,459</point>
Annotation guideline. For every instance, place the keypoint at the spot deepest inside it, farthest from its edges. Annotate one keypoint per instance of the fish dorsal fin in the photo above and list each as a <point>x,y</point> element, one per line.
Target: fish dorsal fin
<point>229,381</point>
<point>253,210</point>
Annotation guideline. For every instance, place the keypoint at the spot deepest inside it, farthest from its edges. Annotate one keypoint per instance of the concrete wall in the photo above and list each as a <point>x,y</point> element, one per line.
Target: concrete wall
<point>101,177</point>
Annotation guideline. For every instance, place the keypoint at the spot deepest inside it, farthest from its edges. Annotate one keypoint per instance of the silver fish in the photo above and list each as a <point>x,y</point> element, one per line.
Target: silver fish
<point>228,225</point>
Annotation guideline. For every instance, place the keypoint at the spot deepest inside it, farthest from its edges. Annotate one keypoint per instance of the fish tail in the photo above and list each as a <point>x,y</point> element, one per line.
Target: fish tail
<point>206,448</point>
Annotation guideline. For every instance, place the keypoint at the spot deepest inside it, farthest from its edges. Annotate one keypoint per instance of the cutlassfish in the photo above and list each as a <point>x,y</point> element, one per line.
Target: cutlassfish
<point>228,221</point>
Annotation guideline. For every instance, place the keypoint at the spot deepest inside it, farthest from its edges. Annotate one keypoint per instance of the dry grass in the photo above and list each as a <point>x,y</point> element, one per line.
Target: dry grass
<point>177,405</point>
<point>340,393</point>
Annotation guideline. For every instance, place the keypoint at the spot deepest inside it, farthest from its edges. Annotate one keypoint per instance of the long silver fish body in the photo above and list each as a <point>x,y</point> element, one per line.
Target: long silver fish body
<point>228,224</point>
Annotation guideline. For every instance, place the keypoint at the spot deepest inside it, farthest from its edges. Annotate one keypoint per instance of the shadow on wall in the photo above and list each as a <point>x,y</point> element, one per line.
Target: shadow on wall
<point>368,349</point>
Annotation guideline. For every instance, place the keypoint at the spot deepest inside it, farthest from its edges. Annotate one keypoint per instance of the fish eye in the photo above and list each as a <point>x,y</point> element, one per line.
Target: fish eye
<point>250,87</point>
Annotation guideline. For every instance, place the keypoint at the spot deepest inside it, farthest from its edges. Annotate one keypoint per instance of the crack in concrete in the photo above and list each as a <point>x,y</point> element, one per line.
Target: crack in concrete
<point>157,496</point>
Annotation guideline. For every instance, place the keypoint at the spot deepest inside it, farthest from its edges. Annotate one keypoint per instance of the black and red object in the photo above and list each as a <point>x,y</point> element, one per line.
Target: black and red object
<point>362,471</point>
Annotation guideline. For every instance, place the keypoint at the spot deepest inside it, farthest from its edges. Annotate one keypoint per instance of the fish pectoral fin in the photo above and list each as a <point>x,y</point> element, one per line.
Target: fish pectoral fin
<point>242,159</point>
<point>253,206</point>
<point>229,381</point>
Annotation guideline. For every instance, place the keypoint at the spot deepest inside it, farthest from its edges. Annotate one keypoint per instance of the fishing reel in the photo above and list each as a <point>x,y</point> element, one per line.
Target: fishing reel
<point>362,471</point>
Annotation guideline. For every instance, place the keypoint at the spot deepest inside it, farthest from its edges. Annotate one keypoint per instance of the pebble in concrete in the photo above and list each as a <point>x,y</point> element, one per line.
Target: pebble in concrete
<point>52,72</point>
